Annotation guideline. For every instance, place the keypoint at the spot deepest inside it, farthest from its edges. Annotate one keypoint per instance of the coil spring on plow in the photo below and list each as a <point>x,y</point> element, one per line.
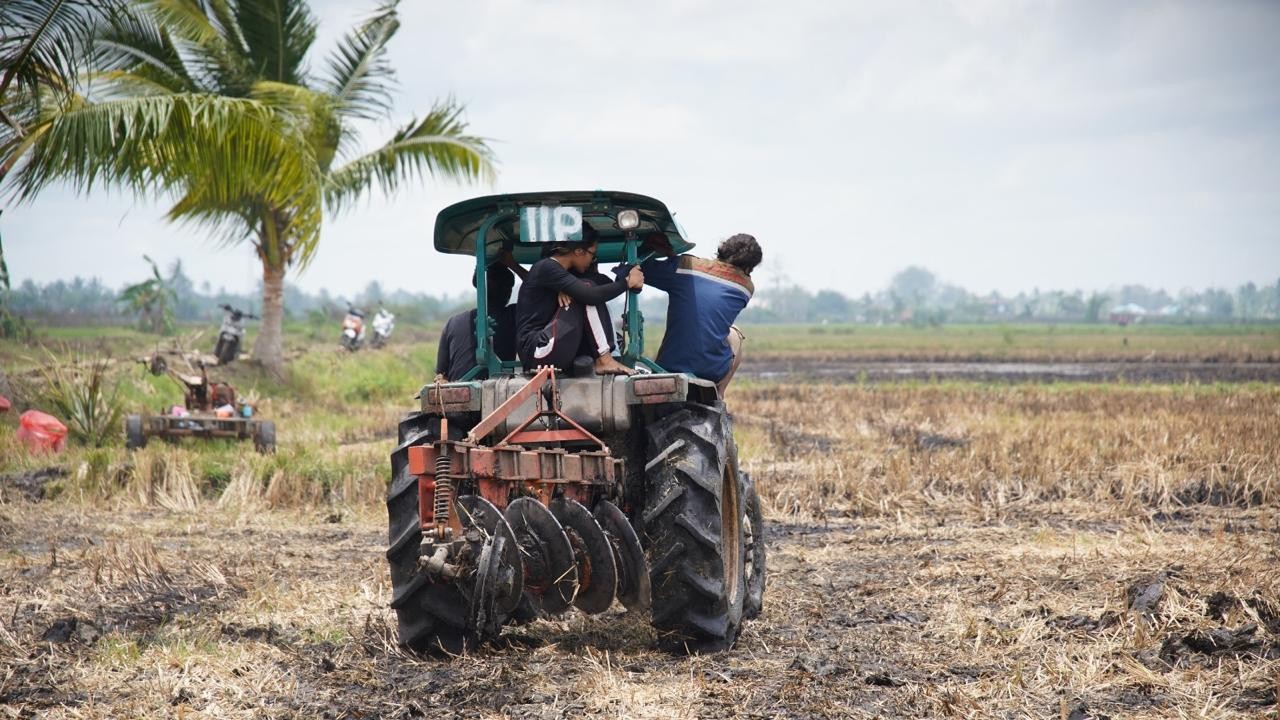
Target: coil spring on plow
<point>443,495</point>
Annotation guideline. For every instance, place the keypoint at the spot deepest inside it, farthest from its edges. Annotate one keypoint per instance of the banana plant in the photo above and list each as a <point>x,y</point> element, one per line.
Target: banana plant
<point>153,300</point>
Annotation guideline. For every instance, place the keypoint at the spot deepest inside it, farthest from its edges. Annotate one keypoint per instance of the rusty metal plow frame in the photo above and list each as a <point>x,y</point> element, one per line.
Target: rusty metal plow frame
<point>441,464</point>
<point>522,435</point>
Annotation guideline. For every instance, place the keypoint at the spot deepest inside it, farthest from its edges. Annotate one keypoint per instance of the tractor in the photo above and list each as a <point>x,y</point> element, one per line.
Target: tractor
<point>209,410</point>
<point>521,494</point>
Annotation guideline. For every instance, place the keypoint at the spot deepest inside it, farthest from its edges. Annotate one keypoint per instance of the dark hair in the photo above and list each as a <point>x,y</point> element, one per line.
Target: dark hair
<point>499,281</point>
<point>741,251</point>
<point>589,237</point>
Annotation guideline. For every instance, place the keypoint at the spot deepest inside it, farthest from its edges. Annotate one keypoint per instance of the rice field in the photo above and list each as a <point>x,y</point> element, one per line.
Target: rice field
<point>953,549</point>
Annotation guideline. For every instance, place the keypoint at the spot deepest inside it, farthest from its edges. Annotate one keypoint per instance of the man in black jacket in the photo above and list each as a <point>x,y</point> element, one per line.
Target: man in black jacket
<point>457,353</point>
<point>561,312</point>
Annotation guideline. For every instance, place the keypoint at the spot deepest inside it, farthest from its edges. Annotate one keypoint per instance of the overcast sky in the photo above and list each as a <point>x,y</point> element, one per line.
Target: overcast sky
<point>1004,145</point>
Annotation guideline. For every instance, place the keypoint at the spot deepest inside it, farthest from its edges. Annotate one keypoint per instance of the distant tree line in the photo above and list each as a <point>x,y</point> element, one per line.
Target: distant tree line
<point>915,296</point>
<point>81,301</point>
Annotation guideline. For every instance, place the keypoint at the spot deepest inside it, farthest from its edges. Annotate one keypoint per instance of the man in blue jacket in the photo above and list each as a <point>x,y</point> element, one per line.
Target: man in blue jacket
<point>704,299</point>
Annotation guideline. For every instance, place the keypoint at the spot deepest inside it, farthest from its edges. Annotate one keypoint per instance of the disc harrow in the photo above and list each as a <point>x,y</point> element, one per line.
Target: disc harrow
<point>525,518</point>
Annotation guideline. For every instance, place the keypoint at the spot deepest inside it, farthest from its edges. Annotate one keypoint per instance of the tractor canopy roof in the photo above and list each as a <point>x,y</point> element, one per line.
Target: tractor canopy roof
<point>526,223</point>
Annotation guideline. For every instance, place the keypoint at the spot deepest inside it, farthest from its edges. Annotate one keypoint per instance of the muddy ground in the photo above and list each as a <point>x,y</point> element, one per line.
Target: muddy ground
<point>1052,610</point>
<point>836,370</point>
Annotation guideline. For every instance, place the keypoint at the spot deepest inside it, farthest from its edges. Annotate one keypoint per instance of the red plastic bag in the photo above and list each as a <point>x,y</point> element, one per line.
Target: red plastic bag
<point>4,404</point>
<point>41,432</point>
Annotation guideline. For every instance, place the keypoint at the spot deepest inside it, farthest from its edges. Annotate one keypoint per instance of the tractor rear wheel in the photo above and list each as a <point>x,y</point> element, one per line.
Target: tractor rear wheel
<point>431,616</point>
<point>692,518</point>
<point>134,437</point>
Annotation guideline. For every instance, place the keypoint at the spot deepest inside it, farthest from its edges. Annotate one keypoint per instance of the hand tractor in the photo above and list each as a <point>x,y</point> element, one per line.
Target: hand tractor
<point>516,495</point>
<point>209,410</point>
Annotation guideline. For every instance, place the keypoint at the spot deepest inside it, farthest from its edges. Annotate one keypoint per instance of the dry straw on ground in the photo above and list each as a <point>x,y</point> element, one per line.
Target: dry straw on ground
<point>936,551</point>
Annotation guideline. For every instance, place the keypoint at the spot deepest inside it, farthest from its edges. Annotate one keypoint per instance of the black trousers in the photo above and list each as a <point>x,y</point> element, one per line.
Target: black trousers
<point>573,331</point>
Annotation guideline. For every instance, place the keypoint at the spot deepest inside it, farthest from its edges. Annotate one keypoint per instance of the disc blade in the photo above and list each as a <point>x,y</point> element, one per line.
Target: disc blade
<point>550,574</point>
<point>597,574</point>
<point>487,587</point>
<point>633,572</point>
<point>505,572</point>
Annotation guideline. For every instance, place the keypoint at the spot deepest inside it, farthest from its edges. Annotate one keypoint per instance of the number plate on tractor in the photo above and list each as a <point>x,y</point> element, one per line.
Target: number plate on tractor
<point>550,224</point>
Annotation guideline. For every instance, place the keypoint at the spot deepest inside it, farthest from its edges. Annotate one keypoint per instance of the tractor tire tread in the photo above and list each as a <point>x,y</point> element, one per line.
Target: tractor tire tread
<point>661,506</point>
<point>706,536</point>
<point>430,617</point>
<point>692,607</point>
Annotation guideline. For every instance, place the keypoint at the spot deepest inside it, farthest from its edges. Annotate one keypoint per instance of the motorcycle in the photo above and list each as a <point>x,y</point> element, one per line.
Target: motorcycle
<point>383,323</point>
<point>230,334</point>
<point>353,329</point>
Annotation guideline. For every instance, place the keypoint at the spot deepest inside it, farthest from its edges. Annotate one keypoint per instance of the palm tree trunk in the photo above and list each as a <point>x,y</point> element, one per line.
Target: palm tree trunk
<point>268,349</point>
<point>273,250</point>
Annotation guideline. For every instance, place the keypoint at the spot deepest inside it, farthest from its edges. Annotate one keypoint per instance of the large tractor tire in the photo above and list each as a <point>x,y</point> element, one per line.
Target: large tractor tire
<point>432,617</point>
<point>692,518</point>
<point>134,437</point>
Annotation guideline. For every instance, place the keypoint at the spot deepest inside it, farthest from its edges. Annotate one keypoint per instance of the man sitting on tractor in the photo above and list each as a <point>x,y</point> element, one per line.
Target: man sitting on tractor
<point>561,308</point>
<point>457,353</point>
<point>704,298</point>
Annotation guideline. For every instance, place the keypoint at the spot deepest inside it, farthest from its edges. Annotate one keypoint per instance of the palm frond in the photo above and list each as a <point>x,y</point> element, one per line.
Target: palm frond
<point>298,100</point>
<point>277,35</point>
<point>21,106</point>
<point>304,228</point>
<point>166,142</point>
<point>314,113</point>
<point>137,44</point>
<point>212,53</point>
<point>46,41</point>
<point>359,76</point>
<point>184,18</point>
<point>117,84</point>
<point>224,17</point>
<point>230,220</point>
<point>438,146</point>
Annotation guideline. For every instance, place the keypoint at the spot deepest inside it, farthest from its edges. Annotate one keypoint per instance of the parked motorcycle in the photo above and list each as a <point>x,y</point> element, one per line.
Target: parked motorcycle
<point>353,329</point>
<point>383,323</point>
<point>230,334</point>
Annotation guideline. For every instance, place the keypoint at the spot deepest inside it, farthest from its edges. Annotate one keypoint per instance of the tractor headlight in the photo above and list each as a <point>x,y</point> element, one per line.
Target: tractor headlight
<point>628,220</point>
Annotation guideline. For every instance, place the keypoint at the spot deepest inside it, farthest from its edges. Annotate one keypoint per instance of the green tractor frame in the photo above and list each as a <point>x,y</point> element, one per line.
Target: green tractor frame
<point>516,495</point>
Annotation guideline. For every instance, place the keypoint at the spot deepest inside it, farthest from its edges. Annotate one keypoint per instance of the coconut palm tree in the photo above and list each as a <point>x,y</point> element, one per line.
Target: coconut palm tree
<point>171,66</point>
